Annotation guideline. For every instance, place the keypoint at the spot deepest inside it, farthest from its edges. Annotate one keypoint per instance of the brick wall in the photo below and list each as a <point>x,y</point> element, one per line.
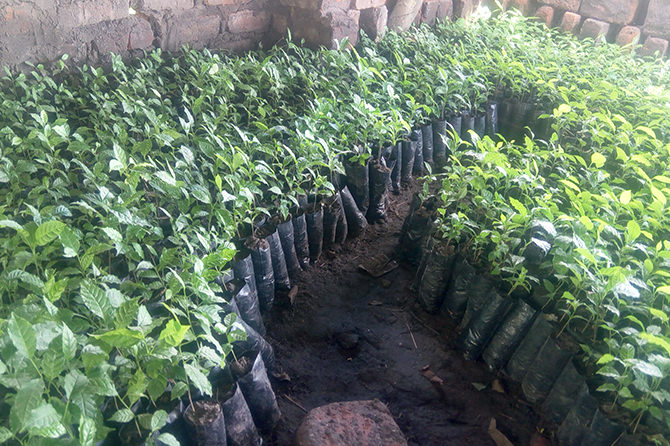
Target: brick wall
<point>87,30</point>
<point>645,22</point>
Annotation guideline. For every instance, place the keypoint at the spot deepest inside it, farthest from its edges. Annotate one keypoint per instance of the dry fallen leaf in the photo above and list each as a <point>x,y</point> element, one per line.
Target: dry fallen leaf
<point>496,386</point>
<point>292,294</point>
<point>497,436</point>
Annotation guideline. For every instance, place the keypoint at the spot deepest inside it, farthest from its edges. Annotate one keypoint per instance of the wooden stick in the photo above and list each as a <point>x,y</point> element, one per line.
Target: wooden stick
<point>411,335</point>
<point>297,404</point>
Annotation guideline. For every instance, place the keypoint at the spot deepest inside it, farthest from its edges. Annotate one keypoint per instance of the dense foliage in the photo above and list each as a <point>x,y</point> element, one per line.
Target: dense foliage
<point>125,192</point>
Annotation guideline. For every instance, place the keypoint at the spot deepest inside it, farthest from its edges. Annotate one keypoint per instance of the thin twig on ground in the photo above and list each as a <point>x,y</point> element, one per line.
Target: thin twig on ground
<point>295,403</point>
<point>411,335</point>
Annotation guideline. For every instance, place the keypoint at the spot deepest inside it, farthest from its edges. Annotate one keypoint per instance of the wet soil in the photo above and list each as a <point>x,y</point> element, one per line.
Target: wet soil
<point>347,336</point>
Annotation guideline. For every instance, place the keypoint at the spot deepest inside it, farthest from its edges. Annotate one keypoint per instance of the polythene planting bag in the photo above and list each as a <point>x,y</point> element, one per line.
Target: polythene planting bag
<point>358,182</point>
<point>480,295</point>
<point>396,155</point>
<point>544,371</point>
<point>435,277</point>
<point>428,143</point>
<point>455,124</point>
<point>356,221</point>
<point>380,181</point>
<point>254,341</point>
<point>458,289</point>
<point>279,268</point>
<point>175,426</point>
<point>418,225</point>
<point>492,119</point>
<point>467,124</point>
<point>521,116</point>
<point>561,398</point>
<point>315,234</point>
<point>265,278</point>
<point>417,167</point>
<point>331,213</point>
<point>206,424</point>
<point>342,229</point>
<point>259,396</point>
<point>244,269</point>
<point>287,240</point>
<point>480,125</point>
<point>240,427</point>
<point>439,142</point>
<point>525,353</point>
<point>301,240</point>
<point>603,432</point>
<point>248,305</point>
<point>484,324</point>
<point>408,152</point>
<point>509,335</point>
<point>578,421</point>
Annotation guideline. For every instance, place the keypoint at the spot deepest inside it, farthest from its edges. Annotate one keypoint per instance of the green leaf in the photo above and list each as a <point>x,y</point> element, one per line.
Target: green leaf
<point>87,431</point>
<point>604,359</point>
<point>68,342</point>
<point>201,194</point>
<point>95,299</point>
<point>174,333</point>
<point>45,422</point>
<point>122,416</point>
<point>22,335</point>
<point>633,230</point>
<point>6,434</point>
<point>198,379</point>
<point>598,160</point>
<point>113,234</point>
<point>649,369</point>
<point>48,231</point>
<point>10,224</point>
<point>28,397</point>
<point>665,289</point>
<point>158,420</point>
<point>625,197</point>
<point>120,337</point>
<point>656,340</point>
<point>70,242</point>
<point>136,386</point>
<point>520,208</point>
<point>168,439</point>
<point>126,313</point>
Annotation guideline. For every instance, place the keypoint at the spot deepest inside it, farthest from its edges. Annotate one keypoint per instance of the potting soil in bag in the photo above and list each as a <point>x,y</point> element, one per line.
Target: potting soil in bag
<point>279,268</point>
<point>342,229</point>
<point>455,125</point>
<point>484,324</point>
<point>331,212</point>
<point>396,155</point>
<point>509,335</point>
<point>544,371</point>
<point>492,119</point>
<point>417,167</point>
<point>240,427</point>
<point>288,246</point>
<point>439,143</point>
<point>480,294</point>
<point>259,396</point>
<point>480,125</point>
<point>301,240</point>
<point>577,422</point>
<point>407,161</point>
<point>315,234</point>
<point>428,143</point>
<point>356,222</point>
<point>244,269</point>
<point>265,278</point>
<point>380,180</point>
<point>435,277</point>
<point>525,353</point>
<point>358,182</point>
<point>458,289</point>
<point>248,305</point>
<point>205,423</point>
<point>562,395</point>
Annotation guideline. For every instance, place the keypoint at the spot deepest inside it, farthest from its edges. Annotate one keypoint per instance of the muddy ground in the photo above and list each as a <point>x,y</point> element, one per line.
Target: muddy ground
<point>348,336</point>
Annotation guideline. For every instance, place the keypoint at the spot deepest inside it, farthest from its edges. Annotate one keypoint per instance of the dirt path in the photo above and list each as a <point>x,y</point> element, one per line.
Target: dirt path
<point>349,336</point>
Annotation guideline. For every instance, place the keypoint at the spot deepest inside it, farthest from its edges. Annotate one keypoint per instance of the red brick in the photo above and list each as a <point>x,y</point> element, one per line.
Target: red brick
<point>445,11</point>
<point>657,22</point>
<point>545,14</point>
<point>373,21</point>
<point>565,5</point>
<point>429,12</point>
<point>365,4</point>
<point>654,46</point>
<point>613,11</point>
<point>247,20</point>
<point>629,35</point>
<point>595,29</point>
<point>571,22</point>
<point>525,6</point>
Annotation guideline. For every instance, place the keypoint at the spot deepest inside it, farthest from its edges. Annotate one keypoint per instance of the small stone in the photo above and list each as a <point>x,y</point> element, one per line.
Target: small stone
<point>360,423</point>
<point>629,35</point>
<point>570,22</point>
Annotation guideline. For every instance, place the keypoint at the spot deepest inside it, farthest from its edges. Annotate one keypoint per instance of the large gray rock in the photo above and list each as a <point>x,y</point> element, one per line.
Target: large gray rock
<point>613,11</point>
<point>354,423</point>
<point>658,19</point>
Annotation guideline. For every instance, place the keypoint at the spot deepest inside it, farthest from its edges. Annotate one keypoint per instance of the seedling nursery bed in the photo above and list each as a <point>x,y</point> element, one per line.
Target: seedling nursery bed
<point>468,222</point>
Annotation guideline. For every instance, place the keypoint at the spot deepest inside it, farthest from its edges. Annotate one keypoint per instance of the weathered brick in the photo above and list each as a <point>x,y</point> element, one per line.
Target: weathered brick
<point>629,35</point>
<point>333,6</point>
<point>196,27</point>
<point>525,6</point>
<point>594,29</point>
<point>545,14</point>
<point>654,46</point>
<point>463,8</point>
<point>224,2</point>
<point>565,5</point>
<point>403,14</point>
<point>160,5</point>
<point>429,12</point>
<point>614,11</point>
<point>247,20</point>
<point>366,4</point>
<point>94,42</point>
<point>17,19</point>
<point>570,22</point>
<point>445,10</point>
<point>657,22</point>
<point>373,21</point>
<point>88,12</point>
<point>346,25</point>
